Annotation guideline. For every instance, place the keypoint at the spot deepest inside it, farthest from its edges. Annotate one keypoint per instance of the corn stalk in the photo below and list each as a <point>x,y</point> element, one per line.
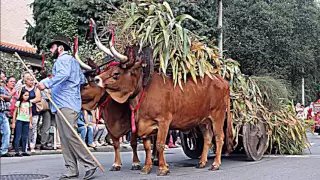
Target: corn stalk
<point>178,53</point>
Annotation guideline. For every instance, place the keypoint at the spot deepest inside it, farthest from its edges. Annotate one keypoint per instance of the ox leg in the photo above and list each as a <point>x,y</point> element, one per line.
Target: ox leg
<point>207,143</point>
<point>161,140</point>
<point>155,158</point>
<point>148,164</point>
<point>218,117</point>
<point>116,166</point>
<point>135,160</point>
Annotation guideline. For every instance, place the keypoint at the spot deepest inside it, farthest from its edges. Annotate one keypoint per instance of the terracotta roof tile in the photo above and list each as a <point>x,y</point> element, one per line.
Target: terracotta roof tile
<point>18,47</point>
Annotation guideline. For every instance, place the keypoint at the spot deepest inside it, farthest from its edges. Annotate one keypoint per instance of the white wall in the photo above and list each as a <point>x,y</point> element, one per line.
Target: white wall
<point>13,16</point>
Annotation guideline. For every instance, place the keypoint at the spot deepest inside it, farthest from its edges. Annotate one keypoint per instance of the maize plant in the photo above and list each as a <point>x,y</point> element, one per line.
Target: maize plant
<point>179,53</point>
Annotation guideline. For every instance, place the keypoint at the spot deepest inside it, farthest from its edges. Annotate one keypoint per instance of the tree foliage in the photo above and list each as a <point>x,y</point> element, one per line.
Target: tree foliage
<point>67,17</point>
<point>278,38</point>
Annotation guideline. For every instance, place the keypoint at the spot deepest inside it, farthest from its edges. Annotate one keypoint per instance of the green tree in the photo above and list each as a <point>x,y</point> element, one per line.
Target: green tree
<point>67,17</point>
<point>278,38</point>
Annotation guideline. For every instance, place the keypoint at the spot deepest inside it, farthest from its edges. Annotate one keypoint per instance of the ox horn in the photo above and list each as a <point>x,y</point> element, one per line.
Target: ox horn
<point>122,58</point>
<point>97,40</point>
<point>75,50</point>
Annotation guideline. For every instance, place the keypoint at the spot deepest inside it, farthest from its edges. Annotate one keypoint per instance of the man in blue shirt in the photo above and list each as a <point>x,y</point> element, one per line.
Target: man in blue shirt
<point>65,87</point>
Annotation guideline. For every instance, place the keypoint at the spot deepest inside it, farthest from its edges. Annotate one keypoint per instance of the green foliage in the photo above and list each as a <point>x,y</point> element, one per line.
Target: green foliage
<point>275,90</point>
<point>275,38</point>
<point>250,105</point>
<point>67,17</point>
<point>175,49</point>
<point>12,65</point>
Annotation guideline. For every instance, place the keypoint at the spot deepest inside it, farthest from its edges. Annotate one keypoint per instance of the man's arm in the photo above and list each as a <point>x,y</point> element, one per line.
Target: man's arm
<point>63,70</point>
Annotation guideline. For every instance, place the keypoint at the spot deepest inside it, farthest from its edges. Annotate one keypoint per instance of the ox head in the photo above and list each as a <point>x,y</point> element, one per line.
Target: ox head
<point>90,93</point>
<point>132,74</point>
<point>123,80</point>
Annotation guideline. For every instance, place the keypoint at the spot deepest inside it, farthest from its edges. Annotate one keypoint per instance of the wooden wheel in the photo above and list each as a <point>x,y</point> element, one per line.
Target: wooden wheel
<point>255,140</point>
<point>192,146</point>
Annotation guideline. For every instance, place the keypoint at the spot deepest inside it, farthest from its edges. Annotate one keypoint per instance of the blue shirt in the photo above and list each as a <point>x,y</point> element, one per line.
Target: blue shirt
<point>65,83</point>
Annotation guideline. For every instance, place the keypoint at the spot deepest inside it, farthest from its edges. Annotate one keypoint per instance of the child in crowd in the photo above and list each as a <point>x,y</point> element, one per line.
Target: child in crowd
<point>22,120</point>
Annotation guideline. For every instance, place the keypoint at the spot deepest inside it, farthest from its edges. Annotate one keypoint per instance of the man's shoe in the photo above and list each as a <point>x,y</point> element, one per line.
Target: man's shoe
<point>25,154</point>
<point>18,155</point>
<point>68,177</point>
<point>6,155</point>
<point>43,147</point>
<point>89,174</point>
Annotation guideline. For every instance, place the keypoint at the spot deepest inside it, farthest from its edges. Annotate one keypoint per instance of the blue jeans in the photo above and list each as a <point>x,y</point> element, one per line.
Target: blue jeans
<point>21,131</point>
<point>83,130</point>
<point>5,130</point>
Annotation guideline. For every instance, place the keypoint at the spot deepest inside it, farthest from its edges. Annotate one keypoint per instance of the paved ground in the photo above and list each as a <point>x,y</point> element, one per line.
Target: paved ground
<point>236,167</point>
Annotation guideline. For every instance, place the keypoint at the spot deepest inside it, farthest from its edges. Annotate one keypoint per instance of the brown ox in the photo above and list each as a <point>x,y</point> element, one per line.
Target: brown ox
<point>116,117</point>
<point>162,106</point>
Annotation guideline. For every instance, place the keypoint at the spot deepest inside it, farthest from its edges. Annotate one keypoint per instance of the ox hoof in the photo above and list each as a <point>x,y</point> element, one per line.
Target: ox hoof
<point>115,168</point>
<point>163,172</point>
<point>200,165</point>
<point>214,168</point>
<point>156,162</point>
<point>145,170</point>
<point>135,167</point>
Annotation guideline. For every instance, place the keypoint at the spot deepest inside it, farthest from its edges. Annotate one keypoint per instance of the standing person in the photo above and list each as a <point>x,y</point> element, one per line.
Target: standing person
<point>65,86</point>
<point>11,90</point>
<point>90,121</point>
<point>100,130</point>
<point>47,118</point>
<point>4,122</point>
<point>85,127</point>
<point>35,96</point>
<point>173,134</point>
<point>22,120</point>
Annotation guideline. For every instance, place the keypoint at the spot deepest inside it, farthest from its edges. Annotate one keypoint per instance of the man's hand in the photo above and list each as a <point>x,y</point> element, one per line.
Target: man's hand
<point>41,86</point>
<point>13,125</point>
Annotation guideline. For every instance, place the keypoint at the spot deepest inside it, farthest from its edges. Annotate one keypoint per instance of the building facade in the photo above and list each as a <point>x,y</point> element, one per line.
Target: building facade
<point>14,14</point>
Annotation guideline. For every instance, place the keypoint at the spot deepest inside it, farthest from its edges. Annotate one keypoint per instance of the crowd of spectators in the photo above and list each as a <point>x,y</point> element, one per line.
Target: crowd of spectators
<point>25,127</point>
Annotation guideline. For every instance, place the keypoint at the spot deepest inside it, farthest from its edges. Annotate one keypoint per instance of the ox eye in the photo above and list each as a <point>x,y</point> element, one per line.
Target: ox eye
<point>115,76</point>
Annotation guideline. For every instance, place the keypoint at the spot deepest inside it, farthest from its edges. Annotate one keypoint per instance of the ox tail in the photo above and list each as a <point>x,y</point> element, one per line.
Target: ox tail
<point>229,135</point>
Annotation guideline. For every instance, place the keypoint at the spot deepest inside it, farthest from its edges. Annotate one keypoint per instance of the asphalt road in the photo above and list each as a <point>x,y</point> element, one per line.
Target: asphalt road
<point>236,167</point>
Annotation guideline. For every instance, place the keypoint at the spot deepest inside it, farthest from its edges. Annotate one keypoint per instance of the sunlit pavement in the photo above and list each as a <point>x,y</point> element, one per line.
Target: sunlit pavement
<point>302,167</point>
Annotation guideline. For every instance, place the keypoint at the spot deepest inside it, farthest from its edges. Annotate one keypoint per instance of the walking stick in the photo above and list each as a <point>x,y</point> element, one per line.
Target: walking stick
<point>63,117</point>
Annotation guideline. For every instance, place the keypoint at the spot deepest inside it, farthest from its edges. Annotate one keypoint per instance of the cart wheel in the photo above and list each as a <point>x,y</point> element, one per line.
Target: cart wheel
<point>255,140</point>
<point>192,146</point>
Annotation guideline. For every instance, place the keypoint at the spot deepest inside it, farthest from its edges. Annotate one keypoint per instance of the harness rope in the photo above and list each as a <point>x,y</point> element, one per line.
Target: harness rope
<point>133,110</point>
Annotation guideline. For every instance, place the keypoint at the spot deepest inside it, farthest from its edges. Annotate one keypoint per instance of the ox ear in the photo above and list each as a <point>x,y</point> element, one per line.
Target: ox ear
<point>120,97</point>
